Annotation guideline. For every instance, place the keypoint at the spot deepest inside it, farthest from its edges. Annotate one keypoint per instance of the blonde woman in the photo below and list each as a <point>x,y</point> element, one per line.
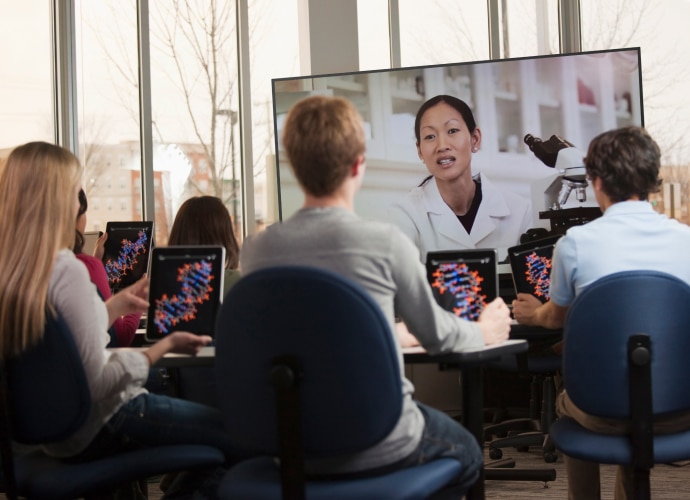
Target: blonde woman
<point>42,276</point>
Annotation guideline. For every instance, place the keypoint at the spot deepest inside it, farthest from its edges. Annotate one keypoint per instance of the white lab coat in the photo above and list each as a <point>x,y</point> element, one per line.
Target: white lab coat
<point>423,215</point>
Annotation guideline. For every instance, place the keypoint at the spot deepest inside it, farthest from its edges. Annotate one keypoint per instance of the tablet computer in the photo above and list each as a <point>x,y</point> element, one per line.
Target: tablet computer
<point>463,281</point>
<point>126,252</point>
<point>530,264</point>
<point>185,290</point>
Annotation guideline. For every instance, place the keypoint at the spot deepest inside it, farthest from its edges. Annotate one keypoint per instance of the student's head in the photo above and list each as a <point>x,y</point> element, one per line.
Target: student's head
<point>627,160</point>
<point>38,208</point>
<point>204,220</point>
<point>81,222</point>
<point>323,138</point>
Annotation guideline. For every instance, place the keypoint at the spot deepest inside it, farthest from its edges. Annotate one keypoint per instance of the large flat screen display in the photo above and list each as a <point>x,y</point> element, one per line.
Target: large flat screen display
<point>573,96</point>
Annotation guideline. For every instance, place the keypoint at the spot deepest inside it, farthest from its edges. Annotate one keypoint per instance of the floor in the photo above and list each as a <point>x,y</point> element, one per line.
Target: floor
<point>668,482</point>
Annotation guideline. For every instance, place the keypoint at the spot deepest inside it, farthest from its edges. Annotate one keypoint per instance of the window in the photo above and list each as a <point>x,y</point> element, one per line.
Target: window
<point>274,45</point>
<point>443,31</point>
<point>373,34</point>
<point>26,79</point>
<point>107,87</point>
<point>194,89</point>
<point>659,28</point>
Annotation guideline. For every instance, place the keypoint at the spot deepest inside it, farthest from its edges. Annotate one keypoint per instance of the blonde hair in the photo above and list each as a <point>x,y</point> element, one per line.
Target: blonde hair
<point>323,136</point>
<point>38,188</point>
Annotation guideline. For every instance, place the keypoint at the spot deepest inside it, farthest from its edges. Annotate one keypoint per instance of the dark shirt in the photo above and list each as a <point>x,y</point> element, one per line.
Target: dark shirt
<point>467,220</point>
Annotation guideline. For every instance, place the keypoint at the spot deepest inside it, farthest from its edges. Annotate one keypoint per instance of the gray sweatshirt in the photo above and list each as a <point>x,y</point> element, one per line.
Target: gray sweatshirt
<point>385,262</point>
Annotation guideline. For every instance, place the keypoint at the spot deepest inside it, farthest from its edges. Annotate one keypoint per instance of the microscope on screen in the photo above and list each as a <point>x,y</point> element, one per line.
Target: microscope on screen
<point>555,191</point>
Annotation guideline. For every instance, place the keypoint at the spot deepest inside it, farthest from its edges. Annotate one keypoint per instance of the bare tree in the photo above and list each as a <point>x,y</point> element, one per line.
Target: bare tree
<point>605,25</point>
<point>92,154</point>
<point>629,23</point>
<point>198,39</point>
<point>193,46</point>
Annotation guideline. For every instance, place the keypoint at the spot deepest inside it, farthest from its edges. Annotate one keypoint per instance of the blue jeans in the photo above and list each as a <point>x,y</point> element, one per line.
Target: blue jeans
<point>445,438</point>
<point>155,420</point>
<point>442,437</point>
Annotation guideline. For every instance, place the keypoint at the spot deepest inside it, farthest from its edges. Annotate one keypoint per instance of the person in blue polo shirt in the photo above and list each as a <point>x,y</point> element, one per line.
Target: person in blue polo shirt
<point>622,166</point>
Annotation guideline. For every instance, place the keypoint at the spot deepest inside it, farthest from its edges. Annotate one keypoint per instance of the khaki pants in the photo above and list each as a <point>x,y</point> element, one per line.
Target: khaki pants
<point>583,476</point>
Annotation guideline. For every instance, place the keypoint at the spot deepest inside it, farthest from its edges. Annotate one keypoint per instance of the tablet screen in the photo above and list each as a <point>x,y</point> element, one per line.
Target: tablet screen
<point>463,281</point>
<point>185,290</point>
<point>530,264</point>
<point>126,252</point>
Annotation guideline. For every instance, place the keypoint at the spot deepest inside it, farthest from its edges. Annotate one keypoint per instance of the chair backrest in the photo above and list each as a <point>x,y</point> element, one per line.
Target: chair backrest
<point>46,388</point>
<point>350,385</point>
<point>44,395</point>
<point>597,328</point>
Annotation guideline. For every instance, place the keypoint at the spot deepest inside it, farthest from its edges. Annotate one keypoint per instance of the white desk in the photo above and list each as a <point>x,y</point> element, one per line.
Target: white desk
<point>205,357</point>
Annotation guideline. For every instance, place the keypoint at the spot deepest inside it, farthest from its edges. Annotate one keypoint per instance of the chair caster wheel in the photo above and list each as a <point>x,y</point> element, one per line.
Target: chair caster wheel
<point>550,458</point>
<point>495,453</point>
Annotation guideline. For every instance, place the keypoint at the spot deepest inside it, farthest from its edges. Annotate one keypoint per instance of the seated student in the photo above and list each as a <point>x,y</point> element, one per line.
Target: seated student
<point>38,205</point>
<point>204,220</point>
<point>325,143</point>
<point>623,168</point>
<point>124,328</point>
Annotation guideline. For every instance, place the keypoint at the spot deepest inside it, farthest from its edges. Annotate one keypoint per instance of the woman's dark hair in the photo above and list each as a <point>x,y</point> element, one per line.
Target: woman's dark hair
<point>627,160</point>
<point>78,237</point>
<point>458,104</point>
<point>204,220</point>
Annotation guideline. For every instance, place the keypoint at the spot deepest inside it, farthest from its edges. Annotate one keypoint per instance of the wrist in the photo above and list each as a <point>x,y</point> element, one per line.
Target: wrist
<point>148,357</point>
<point>168,344</point>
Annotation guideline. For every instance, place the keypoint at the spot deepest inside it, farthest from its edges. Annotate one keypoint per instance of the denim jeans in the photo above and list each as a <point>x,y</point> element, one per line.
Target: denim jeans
<point>154,420</point>
<point>444,437</point>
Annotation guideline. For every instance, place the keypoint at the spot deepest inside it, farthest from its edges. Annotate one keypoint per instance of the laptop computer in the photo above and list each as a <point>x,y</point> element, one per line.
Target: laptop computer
<point>185,290</point>
<point>463,281</point>
<point>126,252</point>
<point>530,264</point>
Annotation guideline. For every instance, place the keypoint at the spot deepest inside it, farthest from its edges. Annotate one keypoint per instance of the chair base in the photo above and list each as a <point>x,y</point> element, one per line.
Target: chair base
<point>522,442</point>
<point>502,474</point>
<point>525,432</point>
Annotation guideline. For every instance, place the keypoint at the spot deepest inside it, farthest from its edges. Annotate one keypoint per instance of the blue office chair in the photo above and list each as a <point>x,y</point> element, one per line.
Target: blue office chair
<point>626,345</point>
<point>307,367</point>
<point>44,397</point>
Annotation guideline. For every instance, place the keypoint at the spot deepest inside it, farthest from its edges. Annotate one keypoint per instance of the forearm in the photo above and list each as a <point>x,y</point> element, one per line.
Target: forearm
<point>115,312</point>
<point>550,315</point>
<point>158,350</point>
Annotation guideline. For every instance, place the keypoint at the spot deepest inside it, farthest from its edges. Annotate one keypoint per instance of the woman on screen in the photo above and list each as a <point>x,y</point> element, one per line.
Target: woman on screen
<point>451,208</point>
